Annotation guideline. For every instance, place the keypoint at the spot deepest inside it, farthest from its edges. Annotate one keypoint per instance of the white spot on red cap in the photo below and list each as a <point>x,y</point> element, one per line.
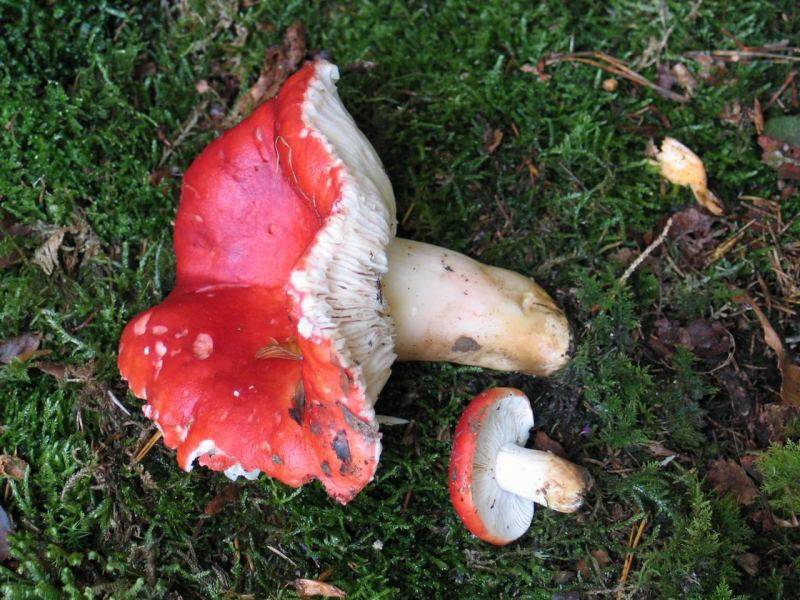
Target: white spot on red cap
<point>147,350</point>
<point>161,349</point>
<point>203,346</point>
<point>182,333</point>
<point>159,330</point>
<point>141,325</point>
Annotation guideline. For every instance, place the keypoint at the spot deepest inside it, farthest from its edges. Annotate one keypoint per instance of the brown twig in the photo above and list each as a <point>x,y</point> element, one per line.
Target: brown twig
<point>147,447</point>
<point>647,252</point>
<point>633,542</point>
<point>613,65</point>
<point>737,55</point>
<point>786,83</point>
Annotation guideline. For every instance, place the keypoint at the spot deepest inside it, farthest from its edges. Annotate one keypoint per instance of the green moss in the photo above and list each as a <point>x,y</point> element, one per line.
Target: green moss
<point>88,91</point>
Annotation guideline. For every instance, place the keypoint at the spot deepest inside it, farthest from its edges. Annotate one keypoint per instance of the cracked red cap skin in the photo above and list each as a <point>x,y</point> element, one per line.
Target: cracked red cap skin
<point>226,376</point>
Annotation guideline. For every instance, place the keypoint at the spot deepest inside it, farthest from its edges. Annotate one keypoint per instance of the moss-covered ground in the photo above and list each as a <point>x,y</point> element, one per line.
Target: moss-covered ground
<point>100,114</point>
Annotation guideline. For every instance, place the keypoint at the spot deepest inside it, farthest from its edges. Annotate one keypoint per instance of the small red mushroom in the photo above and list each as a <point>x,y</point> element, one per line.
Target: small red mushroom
<point>293,299</point>
<point>495,480</point>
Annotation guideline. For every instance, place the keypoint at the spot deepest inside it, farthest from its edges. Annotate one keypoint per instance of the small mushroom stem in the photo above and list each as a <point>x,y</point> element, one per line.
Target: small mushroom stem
<point>448,307</point>
<point>542,477</point>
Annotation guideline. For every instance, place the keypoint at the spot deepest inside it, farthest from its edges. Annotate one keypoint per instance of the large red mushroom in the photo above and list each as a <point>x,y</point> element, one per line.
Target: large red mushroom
<point>292,300</point>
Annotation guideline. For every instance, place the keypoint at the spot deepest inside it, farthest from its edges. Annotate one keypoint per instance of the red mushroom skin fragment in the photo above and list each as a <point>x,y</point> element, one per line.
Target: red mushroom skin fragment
<point>237,366</point>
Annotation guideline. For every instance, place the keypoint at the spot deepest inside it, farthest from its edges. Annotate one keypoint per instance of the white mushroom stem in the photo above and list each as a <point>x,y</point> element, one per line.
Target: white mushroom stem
<point>448,307</point>
<point>542,477</point>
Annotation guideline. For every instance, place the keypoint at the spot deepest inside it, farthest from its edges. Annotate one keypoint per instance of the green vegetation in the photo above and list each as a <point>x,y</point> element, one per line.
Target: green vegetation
<point>99,115</point>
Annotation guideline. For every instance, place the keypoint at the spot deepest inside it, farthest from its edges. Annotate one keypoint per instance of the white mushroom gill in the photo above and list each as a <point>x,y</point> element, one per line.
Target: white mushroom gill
<point>504,514</point>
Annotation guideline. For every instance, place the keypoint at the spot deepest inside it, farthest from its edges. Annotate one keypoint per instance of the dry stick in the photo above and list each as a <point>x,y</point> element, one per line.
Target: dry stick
<point>647,252</point>
<point>786,83</point>
<point>613,65</point>
<point>147,447</point>
<point>633,541</point>
<point>736,55</point>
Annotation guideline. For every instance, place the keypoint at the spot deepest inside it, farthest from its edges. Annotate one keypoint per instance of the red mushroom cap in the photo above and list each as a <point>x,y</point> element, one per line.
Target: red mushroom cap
<point>493,418</point>
<point>270,351</point>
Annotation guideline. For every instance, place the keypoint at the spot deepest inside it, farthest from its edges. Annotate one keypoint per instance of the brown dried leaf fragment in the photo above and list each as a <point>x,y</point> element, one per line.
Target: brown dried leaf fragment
<point>706,339</point>
<point>46,255</point>
<point>681,166</point>
<point>280,62</point>
<point>492,138</point>
<point>781,156</point>
<point>312,587</point>
<point>544,442</point>
<point>728,477</point>
<point>685,79</point>
<point>229,494</point>
<point>12,466</point>
<point>21,347</point>
<point>775,423</point>
<point>749,563</point>
<point>790,372</point>
<point>601,556</point>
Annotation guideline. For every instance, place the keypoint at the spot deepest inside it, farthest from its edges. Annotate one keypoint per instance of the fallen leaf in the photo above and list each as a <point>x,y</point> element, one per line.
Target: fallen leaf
<point>46,255</point>
<point>601,556</point>
<point>280,62</point>
<point>539,69</point>
<point>690,221</point>
<point>693,233</point>
<point>732,113</point>
<point>229,494</point>
<point>790,372</point>
<point>544,442</point>
<point>681,166</point>
<point>665,78</point>
<point>749,463</point>
<point>21,347</point>
<point>775,423</point>
<point>582,568</point>
<point>749,563</point>
<point>728,477</point>
<point>79,373</point>
<point>732,384</point>
<point>684,78</point>
<point>781,145</point>
<point>492,138</point>
<point>763,518</point>
<point>704,338</point>
<point>12,466</point>
<point>758,117</point>
<point>313,587</point>
<point>5,529</point>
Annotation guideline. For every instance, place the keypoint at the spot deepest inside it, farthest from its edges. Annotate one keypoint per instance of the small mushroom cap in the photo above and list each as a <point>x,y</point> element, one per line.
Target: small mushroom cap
<point>493,419</point>
<point>271,349</point>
